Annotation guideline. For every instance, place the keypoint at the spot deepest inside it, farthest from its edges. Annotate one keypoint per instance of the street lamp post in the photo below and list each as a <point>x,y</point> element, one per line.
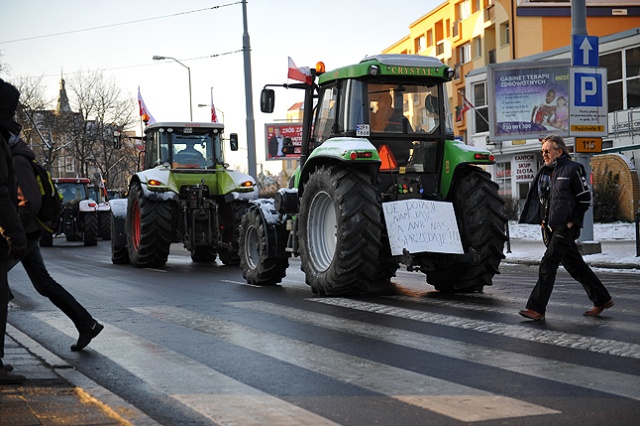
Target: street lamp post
<point>218,110</point>
<point>160,58</point>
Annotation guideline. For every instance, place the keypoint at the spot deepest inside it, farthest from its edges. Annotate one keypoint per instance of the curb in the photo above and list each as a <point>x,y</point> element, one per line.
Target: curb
<point>109,402</point>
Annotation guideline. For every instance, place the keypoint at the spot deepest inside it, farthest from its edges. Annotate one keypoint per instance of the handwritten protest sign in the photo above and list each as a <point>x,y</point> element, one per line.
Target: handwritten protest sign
<point>422,225</point>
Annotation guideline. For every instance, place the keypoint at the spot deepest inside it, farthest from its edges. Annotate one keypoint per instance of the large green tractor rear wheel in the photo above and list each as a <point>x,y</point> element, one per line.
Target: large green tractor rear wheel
<point>481,221</point>
<point>339,231</point>
<point>149,230</point>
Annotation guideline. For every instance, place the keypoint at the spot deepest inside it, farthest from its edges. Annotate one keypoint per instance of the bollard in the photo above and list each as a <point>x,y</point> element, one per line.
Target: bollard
<point>506,228</point>
<point>638,233</point>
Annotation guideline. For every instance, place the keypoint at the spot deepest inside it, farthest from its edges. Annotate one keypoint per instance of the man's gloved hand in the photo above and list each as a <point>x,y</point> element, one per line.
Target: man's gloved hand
<point>17,252</point>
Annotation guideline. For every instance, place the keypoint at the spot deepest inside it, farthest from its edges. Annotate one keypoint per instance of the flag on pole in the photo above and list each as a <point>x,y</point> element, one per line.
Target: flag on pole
<point>466,106</point>
<point>144,112</point>
<point>214,116</point>
<point>300,74</point>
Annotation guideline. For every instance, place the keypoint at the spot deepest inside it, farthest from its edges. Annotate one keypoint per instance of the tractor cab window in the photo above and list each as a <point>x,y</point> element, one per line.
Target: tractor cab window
<point>326,114</point>
<point>192,151</point>
<point>71,192</point>
<point>404,108</point>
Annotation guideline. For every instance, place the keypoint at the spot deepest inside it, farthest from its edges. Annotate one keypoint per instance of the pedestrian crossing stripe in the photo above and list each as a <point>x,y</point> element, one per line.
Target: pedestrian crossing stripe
<point>227,401</point>
<point>205,390</point>
<point>562,372</point>
<point>537,335</point>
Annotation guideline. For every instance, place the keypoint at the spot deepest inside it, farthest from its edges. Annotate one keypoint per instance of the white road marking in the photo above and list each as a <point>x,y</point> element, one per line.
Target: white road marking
<point>561,372</point>
<point>448,398</point>
<point>567,340</point>
<point>205,390</point>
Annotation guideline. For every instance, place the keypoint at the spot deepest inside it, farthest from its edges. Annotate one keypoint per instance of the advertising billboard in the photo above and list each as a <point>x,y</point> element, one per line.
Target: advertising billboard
<point>283,141</point>
<point>528,100</point>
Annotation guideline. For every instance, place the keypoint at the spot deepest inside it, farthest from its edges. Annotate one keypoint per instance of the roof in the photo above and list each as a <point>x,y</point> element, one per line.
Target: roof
<point>204,125</point>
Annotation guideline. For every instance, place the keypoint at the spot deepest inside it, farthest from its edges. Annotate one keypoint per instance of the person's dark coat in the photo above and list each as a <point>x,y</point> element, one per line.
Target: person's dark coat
<point>12,233</point>
<point>30,197</point>
<point>569,198</point>
<point>273,147</point>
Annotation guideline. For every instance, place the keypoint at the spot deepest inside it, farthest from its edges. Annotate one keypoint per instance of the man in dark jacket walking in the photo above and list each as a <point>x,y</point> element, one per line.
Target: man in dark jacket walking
<point>558,200</point>
<point>29,202</point>
<point>12,240</point>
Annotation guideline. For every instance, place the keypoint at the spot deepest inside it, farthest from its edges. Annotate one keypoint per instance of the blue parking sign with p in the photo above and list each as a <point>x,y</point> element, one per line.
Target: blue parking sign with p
<point>587,89</point>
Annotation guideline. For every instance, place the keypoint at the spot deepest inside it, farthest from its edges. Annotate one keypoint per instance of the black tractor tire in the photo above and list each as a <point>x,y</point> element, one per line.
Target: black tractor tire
<point>258,266</point>
<point>46,239</point>
<point>149,230</point>
<point>232,257</point>
<point>104,225</point>
<point>203,254</point>
<point>339,230</point>
<point>90,234</point>
<point>481,220</point>
<point>119,252</point>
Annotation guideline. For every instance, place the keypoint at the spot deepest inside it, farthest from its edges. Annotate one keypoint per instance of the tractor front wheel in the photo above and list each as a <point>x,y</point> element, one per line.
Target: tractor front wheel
<point>258,266</point>
<point>90,234</point>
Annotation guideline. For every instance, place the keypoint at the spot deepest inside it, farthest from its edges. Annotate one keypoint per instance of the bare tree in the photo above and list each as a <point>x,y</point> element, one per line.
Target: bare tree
<point>103,110</point>
<point>41,128</point>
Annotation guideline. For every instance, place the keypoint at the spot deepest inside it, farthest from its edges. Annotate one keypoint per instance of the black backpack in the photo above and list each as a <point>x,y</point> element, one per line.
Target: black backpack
<point>49,214</point>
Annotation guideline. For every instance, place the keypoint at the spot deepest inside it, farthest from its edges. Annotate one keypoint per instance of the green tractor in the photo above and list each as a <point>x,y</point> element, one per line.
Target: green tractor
<point>185,193</point>
<point>382,182</point>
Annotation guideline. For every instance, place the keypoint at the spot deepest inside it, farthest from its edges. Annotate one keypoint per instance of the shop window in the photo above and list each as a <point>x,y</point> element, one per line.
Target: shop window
<point>503,178</point>
<point>623,78</point>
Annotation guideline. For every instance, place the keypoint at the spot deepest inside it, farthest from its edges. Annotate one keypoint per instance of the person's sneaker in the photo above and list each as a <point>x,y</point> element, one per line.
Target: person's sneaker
<point>86,335</point>
<point>9,378</point>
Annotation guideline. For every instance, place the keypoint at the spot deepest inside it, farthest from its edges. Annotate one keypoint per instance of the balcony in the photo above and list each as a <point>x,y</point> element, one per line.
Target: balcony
<point>490,14</point>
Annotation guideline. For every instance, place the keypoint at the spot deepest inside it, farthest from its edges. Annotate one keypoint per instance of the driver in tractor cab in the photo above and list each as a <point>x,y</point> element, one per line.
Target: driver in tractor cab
<point>189,155</point>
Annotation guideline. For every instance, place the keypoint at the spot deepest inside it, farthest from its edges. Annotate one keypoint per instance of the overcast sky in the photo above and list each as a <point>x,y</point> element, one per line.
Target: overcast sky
<point>337,32</point>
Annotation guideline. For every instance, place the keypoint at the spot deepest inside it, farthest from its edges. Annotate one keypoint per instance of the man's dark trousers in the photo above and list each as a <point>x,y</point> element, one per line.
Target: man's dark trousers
<point>48,287</point>
<point>562,249</point>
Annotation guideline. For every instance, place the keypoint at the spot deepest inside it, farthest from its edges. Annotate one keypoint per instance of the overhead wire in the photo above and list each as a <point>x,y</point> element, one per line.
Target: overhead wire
<point>117,24</point>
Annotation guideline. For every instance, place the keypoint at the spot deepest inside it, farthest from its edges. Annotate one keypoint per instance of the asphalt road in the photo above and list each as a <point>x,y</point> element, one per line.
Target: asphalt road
<point>194,344</point>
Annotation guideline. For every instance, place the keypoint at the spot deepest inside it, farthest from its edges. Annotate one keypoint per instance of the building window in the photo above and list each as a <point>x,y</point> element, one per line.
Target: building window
<point>69,165</point>
<point>463,10</point>
<point>623,78</point>
<point>464,53</point>
<point>503,178</point>
<point>504,33</point>
<point>481,109</point>
<point>477,47</point>
<point>430,38</point>
<point>421,43</point>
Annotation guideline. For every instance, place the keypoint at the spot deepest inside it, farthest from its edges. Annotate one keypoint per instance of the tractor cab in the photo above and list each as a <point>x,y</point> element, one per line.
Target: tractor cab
<point>185,145</point>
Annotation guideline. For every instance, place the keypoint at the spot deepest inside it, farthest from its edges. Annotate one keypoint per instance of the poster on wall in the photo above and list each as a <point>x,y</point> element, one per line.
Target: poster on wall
<point>283,141</point>
<point>528,100</point>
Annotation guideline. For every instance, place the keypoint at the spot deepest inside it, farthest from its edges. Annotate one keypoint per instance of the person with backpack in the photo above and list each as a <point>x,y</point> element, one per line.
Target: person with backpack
<point>12,238</point>
<point>29,204</point>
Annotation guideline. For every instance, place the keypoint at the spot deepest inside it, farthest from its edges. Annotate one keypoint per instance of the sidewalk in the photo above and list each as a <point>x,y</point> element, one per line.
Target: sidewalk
<point>615,254</point>
<point>57,394</point>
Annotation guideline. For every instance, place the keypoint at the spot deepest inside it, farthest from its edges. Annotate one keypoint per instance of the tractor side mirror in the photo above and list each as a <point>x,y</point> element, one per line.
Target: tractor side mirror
<point>267,100</point>
<point>233,141</point>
